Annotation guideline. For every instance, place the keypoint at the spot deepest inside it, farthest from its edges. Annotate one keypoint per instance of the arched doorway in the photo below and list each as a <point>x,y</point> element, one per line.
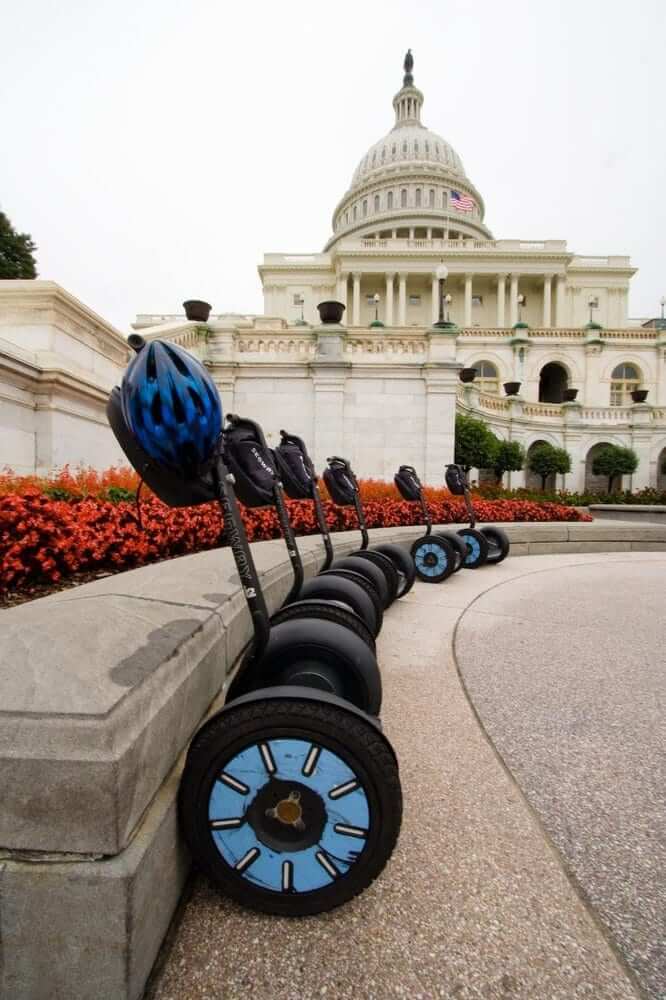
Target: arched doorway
<point>553,380</point>
<point>595,484</point>
<point>532,481</point>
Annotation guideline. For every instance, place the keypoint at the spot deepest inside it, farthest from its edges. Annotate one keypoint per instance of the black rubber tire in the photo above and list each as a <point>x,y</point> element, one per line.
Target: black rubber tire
<point>352,739</point>
<point>299,648</point>
<point>386,566</point>
<point>332,611</point>
<point>368,588</point>
<point>439,551</point>
<point>371,572</point>
<point>459,546</point>
<point>477,548</point>
<point>498,544</point>
<point>404,565</point>
<point>345,586</point>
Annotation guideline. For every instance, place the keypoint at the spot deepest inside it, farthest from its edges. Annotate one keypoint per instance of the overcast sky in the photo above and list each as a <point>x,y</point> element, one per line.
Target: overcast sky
<point>155,150</point>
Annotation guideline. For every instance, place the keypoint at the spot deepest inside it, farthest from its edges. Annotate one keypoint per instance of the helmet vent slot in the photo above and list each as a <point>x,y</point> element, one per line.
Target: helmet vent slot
<point>177,361</point>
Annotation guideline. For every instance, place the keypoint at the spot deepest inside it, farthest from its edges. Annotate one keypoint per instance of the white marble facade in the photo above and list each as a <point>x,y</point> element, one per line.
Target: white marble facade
<point>380,394</point>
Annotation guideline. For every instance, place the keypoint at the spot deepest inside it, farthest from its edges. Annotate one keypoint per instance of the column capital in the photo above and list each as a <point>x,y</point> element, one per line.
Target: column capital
<point>357,275</point>
<point>403,275</point>
<point>389,275</point>
<point>469,275</point>
<point>501,276</point>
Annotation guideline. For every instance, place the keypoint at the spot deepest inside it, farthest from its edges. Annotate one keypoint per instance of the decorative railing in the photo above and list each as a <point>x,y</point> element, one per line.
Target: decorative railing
<point>541,410</point>
<point>301,347</point>
<point>385,345</point>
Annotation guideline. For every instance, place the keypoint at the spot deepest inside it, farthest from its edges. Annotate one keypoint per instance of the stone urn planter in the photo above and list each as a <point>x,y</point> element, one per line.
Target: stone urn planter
<point>570,395</point>
<point>639,395</point>
<point>197,310</point>
<point>467,374</point>
<point>330,312</point>
<point>512,388</point>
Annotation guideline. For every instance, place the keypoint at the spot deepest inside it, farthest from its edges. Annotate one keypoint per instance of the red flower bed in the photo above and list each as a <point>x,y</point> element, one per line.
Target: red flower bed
<point>43,539</point>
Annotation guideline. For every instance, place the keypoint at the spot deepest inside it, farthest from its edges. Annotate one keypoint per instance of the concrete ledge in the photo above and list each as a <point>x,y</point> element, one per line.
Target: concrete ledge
<point>629,512</point>
<point>101,689</point>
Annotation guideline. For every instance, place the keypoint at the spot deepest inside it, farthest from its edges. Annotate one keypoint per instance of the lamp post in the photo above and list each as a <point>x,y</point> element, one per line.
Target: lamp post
<point>521,303</point>
<point>448,299</point>
<point>376,321</point>
<point>593,304</point>
<point>662,303</point>
<point>442,274</point>
<point>300,301</point>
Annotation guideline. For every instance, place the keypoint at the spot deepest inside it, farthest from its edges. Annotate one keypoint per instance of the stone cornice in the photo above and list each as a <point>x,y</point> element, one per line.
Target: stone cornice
<point>37,302</point>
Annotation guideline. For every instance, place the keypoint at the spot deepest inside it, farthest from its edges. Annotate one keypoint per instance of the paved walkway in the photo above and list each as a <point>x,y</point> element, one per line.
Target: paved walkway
<point>574,699</point>
<point>476,902</point>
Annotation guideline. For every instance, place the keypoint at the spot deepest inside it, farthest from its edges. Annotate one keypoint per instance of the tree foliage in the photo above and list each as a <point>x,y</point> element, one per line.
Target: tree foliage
<point>546,460</point>
<point>16,252</point>
<point>612,461</point>
<point>476,445</point>
<point>509,457</point>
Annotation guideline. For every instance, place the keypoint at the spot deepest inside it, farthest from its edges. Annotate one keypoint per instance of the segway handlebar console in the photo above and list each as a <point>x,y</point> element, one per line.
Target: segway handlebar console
<point>343,486</point>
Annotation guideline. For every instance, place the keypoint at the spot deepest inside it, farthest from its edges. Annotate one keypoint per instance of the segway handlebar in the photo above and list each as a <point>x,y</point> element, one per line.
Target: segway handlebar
<point>298,443</point>
<point>343,486</point>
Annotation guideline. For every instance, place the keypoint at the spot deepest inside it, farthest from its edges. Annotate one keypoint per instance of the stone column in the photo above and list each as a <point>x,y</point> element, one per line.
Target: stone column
<point>402,299</point>
<point>546,300</point>
<point>435,298</point>
<point>429,233</point>
<point>342,291</point>
<point>388,312</point>
<point>467,321</point>
<point>560,288</point>
<point>501,291</point>
<point>356,311</point>
<point>513,300</point>
<point>641,437</point>
<point>441,387</point>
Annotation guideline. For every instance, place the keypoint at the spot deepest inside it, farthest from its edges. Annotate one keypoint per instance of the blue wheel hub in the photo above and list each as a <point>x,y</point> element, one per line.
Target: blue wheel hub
<point>430,559</point>
<point>289,815</point>
<point>474,550</point>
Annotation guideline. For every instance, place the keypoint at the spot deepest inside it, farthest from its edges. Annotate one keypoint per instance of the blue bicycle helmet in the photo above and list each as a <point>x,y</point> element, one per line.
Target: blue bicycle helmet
<point>171,406</point>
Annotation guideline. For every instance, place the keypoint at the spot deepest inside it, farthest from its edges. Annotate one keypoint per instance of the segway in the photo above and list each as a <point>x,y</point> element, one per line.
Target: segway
<point>485,545</point>
<point>343,487</point>
<point>299,480</point>
<point>290,798</point>
<point>258,484</point>
<point>436,555</point>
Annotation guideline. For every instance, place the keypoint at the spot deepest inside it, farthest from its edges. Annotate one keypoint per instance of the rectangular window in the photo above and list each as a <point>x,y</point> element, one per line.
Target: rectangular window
<point>415,300</point>
<point>477,300</point>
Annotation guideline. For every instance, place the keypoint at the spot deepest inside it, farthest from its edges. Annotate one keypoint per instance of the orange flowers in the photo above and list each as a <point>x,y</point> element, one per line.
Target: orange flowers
<point>51,529</point>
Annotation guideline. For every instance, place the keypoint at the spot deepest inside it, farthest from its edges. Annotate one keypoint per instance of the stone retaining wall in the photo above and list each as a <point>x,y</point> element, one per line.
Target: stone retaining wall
<point>101,689</point>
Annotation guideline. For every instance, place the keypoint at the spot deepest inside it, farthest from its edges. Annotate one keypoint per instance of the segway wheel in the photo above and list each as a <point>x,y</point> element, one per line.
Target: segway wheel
<point>350,592</point>
<point>386,566</point>
<point>434,559</point>
<point>331,611</point>
<point>403,563</point>
<point>459,546</point>
<point>477,548</point>
<point>370,571</point>
<point>290,802</point>
<point>314,653</point>
<point>498,544</point>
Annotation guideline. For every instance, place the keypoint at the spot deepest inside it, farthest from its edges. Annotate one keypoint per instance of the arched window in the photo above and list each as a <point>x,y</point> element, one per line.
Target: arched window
<point>383,153</point>
<point>431,198</point>
<point>416,148</point>
<point>418,197</point>
<point>487,376</point>
<point>393,149</point>
<point>374,158</point>
<point>354,213</point>
<point>346,217</point>
<point>389,200</point>
<point>427,148</point>
<point>376,203</point>
<point>404,147</point>
<point>553,380</point>
<point>365,207</point>
<point>403,198</point>
<point>445,199</point>
<point>624,380</point>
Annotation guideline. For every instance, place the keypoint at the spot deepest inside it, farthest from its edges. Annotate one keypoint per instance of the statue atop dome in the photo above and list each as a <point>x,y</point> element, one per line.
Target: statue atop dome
<point>408,66</point>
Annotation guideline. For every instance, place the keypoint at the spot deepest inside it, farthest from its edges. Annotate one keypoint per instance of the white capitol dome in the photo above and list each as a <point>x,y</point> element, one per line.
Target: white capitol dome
<point>412,177</point>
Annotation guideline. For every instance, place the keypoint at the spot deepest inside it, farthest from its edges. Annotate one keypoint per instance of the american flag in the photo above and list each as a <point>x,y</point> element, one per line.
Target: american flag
<point>462,202</point>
